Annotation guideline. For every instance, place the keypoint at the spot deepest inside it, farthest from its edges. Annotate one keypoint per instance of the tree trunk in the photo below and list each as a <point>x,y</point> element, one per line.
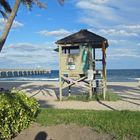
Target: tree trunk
<point>9,23</point>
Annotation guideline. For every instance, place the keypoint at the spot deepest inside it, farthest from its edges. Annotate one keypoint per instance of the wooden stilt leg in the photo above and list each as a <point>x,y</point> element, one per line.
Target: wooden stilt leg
<point>104,70</point>
<point>60,89</point>
<point>90,90</point>
<point>60,75</point>
<point>69,91</point>
<point>104,90</point>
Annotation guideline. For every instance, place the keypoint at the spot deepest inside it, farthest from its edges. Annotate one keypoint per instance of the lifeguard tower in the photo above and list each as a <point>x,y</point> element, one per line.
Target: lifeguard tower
<point>77,61</point>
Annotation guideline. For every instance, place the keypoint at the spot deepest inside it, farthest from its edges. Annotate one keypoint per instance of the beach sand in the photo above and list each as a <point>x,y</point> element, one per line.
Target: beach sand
<point>46,93</point>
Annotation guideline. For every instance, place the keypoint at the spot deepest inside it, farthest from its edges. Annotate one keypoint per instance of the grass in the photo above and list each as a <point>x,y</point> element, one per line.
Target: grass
<point>120,124</point>
<point>85,97</point>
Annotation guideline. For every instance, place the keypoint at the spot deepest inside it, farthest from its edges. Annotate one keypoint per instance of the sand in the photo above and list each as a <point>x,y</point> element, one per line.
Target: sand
<point>46,93</point>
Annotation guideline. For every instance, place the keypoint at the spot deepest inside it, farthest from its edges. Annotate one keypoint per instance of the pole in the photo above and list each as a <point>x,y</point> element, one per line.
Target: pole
<point>104,70</point>
<point>91,68</point>
<point>60,78</point>
<point>69,91</point>
<point>90,90</point>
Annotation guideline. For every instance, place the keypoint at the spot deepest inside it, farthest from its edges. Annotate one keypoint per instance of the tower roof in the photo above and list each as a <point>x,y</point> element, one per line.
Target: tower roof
<point>83,36</point>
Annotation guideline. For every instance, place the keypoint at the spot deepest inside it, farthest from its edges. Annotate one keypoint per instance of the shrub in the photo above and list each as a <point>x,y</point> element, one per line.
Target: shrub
<point>17,111</point>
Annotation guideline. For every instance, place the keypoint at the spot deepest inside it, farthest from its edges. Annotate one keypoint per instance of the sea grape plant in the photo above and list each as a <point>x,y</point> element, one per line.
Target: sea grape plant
<point>17,111</point>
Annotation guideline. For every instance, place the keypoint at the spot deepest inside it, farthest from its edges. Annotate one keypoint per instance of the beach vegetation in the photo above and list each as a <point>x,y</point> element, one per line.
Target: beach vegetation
<point>17,111</point>
<point>110,96</point>
<point>119,124</point>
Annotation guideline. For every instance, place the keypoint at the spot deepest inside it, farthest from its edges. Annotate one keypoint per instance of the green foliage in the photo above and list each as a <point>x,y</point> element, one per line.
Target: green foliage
<point>119,124</point>
<point>97,96</point>
<point>17,111</point>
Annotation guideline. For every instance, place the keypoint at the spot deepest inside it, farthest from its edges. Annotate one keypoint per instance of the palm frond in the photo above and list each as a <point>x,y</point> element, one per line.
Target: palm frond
<point>3,14</point>
<point>5,5</point>
<point>27,3</point>
<point>61,1</point>
<point>39,4</point>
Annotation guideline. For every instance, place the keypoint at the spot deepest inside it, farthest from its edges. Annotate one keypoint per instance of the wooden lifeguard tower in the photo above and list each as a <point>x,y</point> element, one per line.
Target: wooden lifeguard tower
<point>77,61</point>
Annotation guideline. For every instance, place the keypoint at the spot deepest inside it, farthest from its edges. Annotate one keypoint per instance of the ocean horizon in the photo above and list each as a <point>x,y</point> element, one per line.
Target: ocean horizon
<point>113,75</point>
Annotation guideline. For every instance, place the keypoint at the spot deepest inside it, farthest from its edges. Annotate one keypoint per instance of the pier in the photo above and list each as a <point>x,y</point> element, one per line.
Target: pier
<point>22,72</point>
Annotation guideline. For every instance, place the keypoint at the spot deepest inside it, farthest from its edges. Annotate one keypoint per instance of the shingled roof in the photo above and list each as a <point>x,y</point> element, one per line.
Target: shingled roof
<point>83,36</point>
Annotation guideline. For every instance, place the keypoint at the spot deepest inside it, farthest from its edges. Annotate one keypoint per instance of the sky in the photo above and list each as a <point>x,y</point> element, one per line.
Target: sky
<point>31,41</point>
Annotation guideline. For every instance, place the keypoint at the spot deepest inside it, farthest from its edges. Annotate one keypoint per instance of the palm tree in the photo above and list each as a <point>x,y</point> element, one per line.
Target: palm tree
<point>13,12</point>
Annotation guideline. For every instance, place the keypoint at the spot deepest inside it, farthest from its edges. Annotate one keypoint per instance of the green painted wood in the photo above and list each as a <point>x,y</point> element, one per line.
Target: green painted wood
<point>85,58</point>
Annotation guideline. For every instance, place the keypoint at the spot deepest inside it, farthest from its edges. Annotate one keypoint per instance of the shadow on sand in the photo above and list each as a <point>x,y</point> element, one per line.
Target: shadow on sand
<point>42,135</point>
<point>127,94</point>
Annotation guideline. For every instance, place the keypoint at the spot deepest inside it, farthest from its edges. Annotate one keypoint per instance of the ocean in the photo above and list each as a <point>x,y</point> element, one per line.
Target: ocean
<point>124,75</point>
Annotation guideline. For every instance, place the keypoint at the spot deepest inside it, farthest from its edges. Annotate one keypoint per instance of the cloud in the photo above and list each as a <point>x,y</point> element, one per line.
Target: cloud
<point>55,33</point>
<point>16,24</point>
<point>24,47</point>
<point>116,42</point>
<point>131,27</point>
<point>113,19</point>
<point>116,32</point>
<point>122,52</point>
<point>95,13</point>
<point>103,13</point>
<point>96,7</point>
<point>30,55</point>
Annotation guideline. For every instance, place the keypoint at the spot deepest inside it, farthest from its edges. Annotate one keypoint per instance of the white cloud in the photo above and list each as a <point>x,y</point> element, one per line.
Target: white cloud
<point>123,52</point>
<point>118,21</point>
<point>131,27</point>
<point>55,33</point>
<point>24,47</point>
<point>96,7</point>
<point>113,41</point>
<point>97,12</point>
<point>28,54</point>
<point>116,32</point>
<point>106,13</point>
<point>116,42</point>
<point>16,24</point>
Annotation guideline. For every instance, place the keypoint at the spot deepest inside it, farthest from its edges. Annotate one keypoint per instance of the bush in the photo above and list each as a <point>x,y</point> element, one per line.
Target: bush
<point>17,111</point>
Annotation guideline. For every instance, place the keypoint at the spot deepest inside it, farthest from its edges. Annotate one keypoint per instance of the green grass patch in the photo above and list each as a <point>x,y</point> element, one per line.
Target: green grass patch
<point>97,96</point>
<point>119,124</point>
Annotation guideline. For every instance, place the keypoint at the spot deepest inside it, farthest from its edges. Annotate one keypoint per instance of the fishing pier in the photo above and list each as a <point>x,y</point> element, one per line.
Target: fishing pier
<point>22,72</point>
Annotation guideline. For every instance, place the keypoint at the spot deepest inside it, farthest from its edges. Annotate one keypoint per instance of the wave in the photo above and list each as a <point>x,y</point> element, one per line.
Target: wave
<point>28,79</point>
<point>138,79</point>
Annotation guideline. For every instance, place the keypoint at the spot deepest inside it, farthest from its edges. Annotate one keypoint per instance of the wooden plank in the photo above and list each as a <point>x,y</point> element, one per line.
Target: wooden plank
<point>104,70</point>
<point>73,82</point>
<point>90,89</point>
<point>60,74</point>
<point>65,67</point>
<point>90,58</point>
<point>74,44</point>
<point>98,59</point>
